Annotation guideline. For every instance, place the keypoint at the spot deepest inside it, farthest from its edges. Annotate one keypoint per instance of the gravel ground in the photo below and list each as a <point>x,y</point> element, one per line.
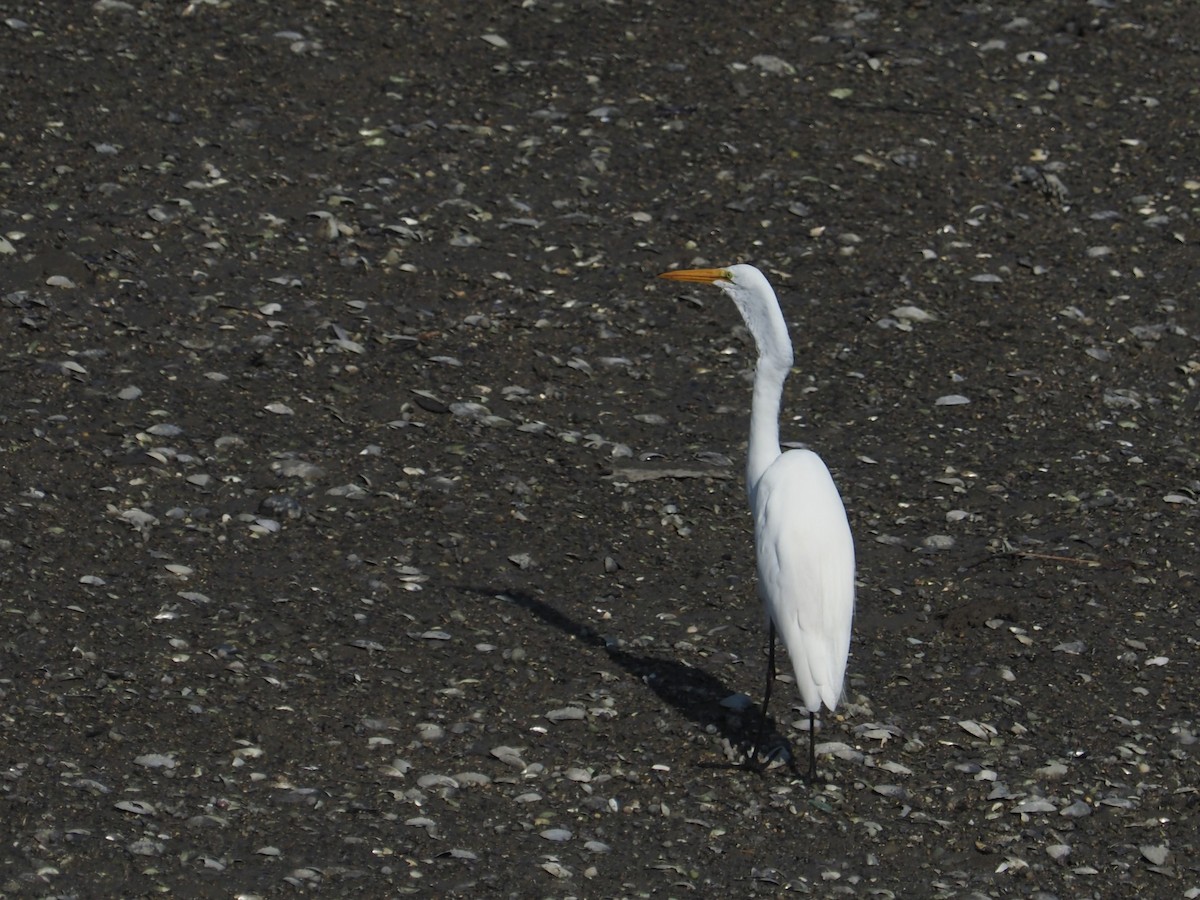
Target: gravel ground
<point>374,520</point>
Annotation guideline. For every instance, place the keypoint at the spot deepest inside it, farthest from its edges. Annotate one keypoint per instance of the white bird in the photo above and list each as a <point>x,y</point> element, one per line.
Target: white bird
<point>802,538</point>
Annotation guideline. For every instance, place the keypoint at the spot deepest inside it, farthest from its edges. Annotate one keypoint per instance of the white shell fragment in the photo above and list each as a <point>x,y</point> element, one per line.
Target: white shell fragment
<point>977,729</point>
<point>1155,854</point>
<point>510,756</point>
<point>557,869</point>
<point>1034,805</point>
<point>521,560</point>
<point>1058,852</point>
<point>136,807</point>
<point>155,761</point>
<point>1075,648</point>
<point>430,731</point>
<point>739,702</point>
<point>938,542</point>
<point>1052,770</point>
<point>772,65</point>
<point>913,314</point>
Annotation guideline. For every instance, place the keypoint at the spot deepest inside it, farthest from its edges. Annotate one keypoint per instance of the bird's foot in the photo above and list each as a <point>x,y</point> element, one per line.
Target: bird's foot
<point>766,757</point>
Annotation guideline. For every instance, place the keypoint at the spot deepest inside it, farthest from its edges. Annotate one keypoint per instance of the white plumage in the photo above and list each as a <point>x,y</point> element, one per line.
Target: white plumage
<point>806,571</point>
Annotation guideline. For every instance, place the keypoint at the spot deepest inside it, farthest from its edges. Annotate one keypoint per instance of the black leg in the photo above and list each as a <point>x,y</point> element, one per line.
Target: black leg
<point>812,746</point>
<point>764,725</point>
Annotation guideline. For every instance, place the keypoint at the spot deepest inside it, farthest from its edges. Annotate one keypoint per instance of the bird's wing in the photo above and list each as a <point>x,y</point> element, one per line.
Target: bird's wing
<point>806,571</point>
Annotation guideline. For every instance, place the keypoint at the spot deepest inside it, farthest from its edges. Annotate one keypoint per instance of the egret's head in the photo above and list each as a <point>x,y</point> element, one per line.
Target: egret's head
<point>734,280</point>
<point>755,300</point>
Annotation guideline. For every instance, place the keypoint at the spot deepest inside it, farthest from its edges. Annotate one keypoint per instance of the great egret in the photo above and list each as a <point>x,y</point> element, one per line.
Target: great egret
<point>802,539</point>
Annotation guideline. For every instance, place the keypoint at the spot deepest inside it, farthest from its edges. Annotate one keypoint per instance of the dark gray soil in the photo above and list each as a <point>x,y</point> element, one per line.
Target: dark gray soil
<point>373,519</point>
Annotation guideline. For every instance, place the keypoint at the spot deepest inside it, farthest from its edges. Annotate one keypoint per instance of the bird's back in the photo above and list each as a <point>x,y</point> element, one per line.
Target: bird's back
<point>806,570</point>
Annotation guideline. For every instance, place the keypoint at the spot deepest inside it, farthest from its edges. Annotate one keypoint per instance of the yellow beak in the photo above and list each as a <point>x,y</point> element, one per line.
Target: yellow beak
<point>703,276</point>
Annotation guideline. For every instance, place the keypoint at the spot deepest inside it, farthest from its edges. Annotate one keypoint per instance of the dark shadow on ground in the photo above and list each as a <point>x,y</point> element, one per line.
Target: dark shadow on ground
<point>693,693</point>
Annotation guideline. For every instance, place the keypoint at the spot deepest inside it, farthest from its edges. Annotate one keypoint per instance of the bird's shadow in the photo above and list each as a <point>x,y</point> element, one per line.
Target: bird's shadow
<point>693,693</point>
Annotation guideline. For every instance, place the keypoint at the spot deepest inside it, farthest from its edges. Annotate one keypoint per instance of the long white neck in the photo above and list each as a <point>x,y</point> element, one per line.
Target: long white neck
<point>764,319</point>
<point>769,376</point>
